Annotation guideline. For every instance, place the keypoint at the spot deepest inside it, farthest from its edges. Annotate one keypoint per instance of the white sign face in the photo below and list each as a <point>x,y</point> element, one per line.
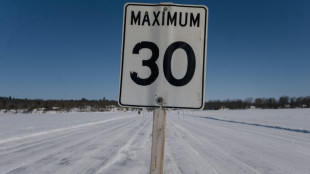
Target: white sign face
<point>163,56</point>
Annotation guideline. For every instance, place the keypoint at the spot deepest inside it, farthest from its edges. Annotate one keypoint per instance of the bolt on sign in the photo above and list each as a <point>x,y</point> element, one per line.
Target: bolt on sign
<point>163,56</point>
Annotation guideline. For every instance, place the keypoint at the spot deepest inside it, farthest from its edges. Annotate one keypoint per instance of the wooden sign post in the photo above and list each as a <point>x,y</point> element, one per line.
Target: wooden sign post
<point>158,141</point>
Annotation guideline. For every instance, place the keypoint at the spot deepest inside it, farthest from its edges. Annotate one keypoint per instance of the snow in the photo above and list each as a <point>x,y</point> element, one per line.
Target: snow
<point>23,124</point>
<point>289,118</point>
<point>231,141</point>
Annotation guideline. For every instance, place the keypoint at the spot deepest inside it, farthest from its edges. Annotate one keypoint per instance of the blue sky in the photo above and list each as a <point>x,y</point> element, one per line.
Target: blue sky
<point>65,49</point>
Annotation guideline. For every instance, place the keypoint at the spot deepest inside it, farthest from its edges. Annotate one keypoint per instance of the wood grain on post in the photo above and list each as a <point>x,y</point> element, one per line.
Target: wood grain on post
<point>158,141</point>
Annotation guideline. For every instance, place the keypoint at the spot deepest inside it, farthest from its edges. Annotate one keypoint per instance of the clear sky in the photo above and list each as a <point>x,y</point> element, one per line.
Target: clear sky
<point>69,49</point>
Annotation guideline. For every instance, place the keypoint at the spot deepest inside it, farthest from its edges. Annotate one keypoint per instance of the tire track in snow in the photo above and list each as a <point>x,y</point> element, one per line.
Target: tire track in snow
<point>193,145</point>
<point>57,146</point>
<point>104,147</point>
<point>178,141</point>
<point>122,152</point>
<point>170,165</point>
<point>248,145</point>
<point>58,130</point>
<point>35,141</point>
<point>232,157</point>
<point>269,137</point>
<point>215,155</point>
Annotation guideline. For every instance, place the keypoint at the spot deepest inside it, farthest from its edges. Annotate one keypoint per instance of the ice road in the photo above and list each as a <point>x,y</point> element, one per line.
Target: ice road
<point>197,142</point>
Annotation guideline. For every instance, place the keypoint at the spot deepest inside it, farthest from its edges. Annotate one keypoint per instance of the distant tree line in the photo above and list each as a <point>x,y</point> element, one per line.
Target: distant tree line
<point>9,103</point>
<point>264,103</point>
<point>28,105</point>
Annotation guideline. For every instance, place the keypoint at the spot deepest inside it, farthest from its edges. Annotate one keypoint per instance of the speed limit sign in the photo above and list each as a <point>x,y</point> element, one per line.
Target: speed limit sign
<point>163,56</point>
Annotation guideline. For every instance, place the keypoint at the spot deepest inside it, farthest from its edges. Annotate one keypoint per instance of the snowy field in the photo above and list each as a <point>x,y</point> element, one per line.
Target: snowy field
<point>197,142</point>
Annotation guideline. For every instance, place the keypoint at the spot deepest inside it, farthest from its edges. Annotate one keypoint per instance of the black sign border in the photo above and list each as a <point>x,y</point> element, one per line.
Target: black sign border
<point>122,56</point>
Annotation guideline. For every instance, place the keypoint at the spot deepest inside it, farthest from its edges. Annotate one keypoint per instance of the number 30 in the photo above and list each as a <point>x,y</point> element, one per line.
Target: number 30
<point>151,63</point>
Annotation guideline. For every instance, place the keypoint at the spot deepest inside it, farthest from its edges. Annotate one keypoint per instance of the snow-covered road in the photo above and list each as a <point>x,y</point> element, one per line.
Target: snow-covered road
<point>122,145</point>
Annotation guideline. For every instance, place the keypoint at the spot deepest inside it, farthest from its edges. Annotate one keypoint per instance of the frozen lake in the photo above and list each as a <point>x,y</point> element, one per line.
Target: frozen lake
<point>230,141</point>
